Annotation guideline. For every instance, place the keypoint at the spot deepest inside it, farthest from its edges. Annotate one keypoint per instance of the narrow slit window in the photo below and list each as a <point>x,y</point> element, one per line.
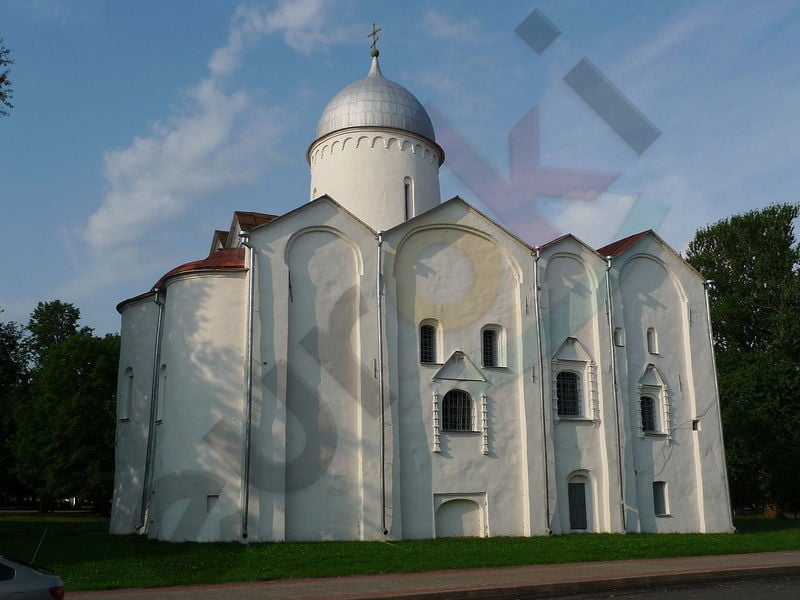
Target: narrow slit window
<point>652,341</point>
<point>660,504</point>
<point>124,406</point>
<point>490,347</point>
<point>427,343</point>
<point>619,337</point>
<point>408,197</point>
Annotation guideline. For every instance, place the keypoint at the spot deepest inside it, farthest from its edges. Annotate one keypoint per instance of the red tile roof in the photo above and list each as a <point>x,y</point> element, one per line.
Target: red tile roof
<point>225,259</point>
<point>618,247</point>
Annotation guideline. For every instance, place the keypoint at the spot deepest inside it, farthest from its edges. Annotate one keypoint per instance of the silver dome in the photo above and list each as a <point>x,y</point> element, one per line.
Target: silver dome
<point>375,102</point>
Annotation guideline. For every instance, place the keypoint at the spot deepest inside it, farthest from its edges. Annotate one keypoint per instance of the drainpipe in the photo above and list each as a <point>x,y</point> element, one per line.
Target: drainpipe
<point>381,395</point>
<point>707,285</point>
<point>149,458</point>
<point>248,394</point>
<point>538,312</point>
<point>610,318</point>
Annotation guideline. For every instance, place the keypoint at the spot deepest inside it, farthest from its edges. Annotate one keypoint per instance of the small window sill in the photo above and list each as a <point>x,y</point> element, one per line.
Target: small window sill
<point>576,419</point>
<point>664,516</point>
<point>430,364</point>
<point>453,432</point>
<point>496,368</point>
<point>124,420</point>
<point>654,434</point>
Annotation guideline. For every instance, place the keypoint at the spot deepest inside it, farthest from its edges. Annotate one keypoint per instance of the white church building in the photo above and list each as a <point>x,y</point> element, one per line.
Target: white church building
<point>378,364</point>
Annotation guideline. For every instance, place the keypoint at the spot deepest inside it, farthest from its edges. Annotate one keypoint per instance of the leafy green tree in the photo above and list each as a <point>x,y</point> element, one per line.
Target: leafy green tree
<point>6,93</point>
<point>13,378</point>
<point>50,324</point>
<point>753,260</point>
<point>65,438</point>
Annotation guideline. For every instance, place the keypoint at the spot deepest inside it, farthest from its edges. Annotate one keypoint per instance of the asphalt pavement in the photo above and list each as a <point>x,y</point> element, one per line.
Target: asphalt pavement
<point>509,583</point>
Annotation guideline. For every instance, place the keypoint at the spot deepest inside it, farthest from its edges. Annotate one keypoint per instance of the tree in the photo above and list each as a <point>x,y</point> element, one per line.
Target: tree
<point>6,93</point>
<point>65,438</point>
<point>753,260</point>
<point>13,378</point>
<point>50,324</point>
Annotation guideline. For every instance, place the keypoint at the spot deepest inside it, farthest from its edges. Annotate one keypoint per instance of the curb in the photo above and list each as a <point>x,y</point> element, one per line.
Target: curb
<point>595,585</point>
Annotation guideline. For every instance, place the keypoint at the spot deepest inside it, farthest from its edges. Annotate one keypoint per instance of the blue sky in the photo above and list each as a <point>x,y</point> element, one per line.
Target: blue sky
<point>139,127</point>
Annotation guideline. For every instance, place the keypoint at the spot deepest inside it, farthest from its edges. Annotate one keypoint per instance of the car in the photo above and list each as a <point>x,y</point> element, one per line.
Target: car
<point>22,581</point>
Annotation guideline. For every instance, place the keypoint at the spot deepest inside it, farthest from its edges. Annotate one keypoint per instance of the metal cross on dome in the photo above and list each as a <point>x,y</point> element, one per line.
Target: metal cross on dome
<point>374,36</point>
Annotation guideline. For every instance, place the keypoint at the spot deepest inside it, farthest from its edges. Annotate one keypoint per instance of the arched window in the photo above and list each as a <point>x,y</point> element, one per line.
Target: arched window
<point>649,415</point>
<point>568,392</point>
<point>652,341</point>
<point>428,332</point>
<point>457,411</point>
<point>491,350</point>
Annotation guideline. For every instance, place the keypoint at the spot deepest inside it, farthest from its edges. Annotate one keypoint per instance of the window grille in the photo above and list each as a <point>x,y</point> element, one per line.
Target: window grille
<point>489,348</point>
<point>648,411</point>
<point>568,394</point>
<point>457,411</point>
<point>427,343</point>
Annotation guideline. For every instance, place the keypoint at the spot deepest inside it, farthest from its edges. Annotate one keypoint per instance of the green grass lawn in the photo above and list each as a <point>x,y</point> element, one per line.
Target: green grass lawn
<point>79,548</point>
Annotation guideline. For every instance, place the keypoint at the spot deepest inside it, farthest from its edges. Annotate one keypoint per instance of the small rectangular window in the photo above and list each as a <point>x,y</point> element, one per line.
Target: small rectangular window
<point>619,337</point>
<point>211,502</point>
<point>660,498</point>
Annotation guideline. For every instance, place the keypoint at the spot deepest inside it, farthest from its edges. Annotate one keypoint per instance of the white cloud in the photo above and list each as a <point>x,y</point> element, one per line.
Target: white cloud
<point>216,140</point>
<point>441,26</point>
<point>597,223</point>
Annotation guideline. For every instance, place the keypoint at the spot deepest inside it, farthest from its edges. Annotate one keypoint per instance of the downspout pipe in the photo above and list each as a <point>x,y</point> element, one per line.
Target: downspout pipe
<point>381,393</point>
<point>707,286</point>
<point>615,382</point>
<point>149,459</point>
<point>248,386</point>
<point>538,311</point>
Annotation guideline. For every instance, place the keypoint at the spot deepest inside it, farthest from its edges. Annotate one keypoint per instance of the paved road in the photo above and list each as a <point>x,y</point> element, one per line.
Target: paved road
<point>509,583</point>
<point>758,588</point>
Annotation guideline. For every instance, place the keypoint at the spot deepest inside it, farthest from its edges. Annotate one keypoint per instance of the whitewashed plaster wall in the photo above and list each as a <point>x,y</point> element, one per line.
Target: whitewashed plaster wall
<point>656,289</point>
<point>197,467</point>
<point>365,170</point>
<point>316,413</point>
<point>573,301</point>
<point>134,388</point>
<point>456,267</point>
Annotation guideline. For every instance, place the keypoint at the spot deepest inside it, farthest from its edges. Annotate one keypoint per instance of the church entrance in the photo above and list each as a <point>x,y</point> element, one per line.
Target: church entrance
<point>577,505</point>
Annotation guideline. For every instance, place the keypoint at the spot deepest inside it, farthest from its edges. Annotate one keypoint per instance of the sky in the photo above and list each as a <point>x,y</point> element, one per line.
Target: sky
<point>139,127</point>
